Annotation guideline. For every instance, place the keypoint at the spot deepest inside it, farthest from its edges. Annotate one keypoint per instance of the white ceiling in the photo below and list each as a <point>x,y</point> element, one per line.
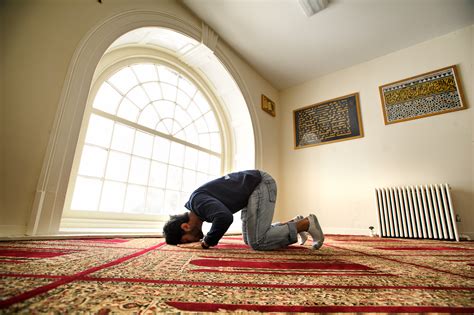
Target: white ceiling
<point>287,48</point>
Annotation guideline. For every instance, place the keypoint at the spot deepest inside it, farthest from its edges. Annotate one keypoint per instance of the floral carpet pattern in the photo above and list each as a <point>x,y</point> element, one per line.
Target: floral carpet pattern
<point>144,275</point>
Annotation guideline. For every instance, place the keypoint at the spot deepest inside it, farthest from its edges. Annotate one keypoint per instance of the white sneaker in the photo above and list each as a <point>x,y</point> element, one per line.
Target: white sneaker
<point>316,232</point>
<point>302,236</point>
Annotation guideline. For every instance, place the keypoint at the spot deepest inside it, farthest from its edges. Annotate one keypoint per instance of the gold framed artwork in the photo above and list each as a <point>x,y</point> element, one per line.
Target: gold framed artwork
<point>329,121</point>
<point>268,106</point>
<point>432,93</point>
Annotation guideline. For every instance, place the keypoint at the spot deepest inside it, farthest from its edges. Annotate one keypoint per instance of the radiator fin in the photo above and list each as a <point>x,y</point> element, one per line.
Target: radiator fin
<point>416,212</point>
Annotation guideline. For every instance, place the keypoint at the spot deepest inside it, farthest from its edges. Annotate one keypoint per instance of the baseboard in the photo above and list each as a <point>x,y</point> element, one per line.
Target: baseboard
<point>12,230</point>
<point>345,231</point>
<point>470,236</point>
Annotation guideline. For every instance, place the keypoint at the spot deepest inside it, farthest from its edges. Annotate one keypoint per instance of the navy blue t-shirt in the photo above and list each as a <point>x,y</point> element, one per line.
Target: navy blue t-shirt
<point>217,201</point>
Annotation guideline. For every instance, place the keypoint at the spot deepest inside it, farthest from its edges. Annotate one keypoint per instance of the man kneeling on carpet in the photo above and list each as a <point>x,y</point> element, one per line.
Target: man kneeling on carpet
<point>253,192</point>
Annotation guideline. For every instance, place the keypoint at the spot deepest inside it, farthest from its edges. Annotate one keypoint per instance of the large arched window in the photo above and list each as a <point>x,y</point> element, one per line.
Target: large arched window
<point>151,135</point>
<point>104,126</point>
<point>152,138</point>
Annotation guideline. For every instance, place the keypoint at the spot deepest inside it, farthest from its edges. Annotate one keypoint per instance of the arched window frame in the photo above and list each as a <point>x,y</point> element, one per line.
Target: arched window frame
<point>50,194</point>
<point>111,62</point>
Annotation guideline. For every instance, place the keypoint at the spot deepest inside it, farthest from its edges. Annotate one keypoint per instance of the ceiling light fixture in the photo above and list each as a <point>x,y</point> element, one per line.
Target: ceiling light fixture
<point>311,7</point>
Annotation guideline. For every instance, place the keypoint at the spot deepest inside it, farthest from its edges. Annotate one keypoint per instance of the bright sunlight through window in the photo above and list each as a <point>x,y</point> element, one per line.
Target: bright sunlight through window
<point>152,138</point>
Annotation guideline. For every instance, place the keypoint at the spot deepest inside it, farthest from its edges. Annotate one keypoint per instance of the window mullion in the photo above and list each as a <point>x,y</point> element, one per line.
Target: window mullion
<point>105,167</point>
<point>153,132</point>
<point>193,121</point>
<point>123,95</point>
<point>128,174</point>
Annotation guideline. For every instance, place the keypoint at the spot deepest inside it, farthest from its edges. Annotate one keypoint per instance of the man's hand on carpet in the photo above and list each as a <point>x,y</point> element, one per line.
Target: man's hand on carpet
<point>194,245</point>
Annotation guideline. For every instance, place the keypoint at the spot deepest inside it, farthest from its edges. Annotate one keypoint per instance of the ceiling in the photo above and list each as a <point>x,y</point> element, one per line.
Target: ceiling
<point>288,48</point>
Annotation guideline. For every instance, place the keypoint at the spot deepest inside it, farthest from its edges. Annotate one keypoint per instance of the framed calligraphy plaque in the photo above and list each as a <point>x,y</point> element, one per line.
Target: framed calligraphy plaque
<point>268,105</point>
<point>433,93</point>
<point>330,121</point>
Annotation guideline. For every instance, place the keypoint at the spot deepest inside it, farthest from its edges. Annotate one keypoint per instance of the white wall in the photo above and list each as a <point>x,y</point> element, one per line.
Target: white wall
<point>40,39</point>
<point>337,180</point>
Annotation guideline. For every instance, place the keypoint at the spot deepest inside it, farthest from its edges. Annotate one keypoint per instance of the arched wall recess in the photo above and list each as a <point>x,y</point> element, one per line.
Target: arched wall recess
<point>52,185</point>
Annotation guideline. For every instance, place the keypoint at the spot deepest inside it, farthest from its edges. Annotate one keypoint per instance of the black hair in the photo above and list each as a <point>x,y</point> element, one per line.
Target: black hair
<point>172,230</point>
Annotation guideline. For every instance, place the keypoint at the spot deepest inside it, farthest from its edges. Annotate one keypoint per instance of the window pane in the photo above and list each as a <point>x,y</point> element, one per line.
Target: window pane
<point>138,97</point>
<point>118,166</point>
<point>177,128</point>
<point>86,194</point>
<point>158,174</point>
<point>191,134</point>
<point>155,201</point>
<point>201,179</point>
<point>214,165</point>
<point>148,117</point>
<point>177,154</point>
<point>161,149</point>
<point>201,125</point>
<point>184,197</point>
<point>113,195</point>
<point>193,111</point>
<point>139,170</point>
<point>169,91</point>
<point>172,204</point>
<point>145,72</point>
<point>165,109</point>
<point>167,75</point>
<point>135,199</point>
<point>201,102</point>
<point>187,87</point>
<point>153,90</point>
<point>189,180</point>
<point>205,140</point>
<point>123,80</point>
<point>161,127</point>
<point>99,131</point>
<point>211,122</point>
<point>183,99</point>
<point>143,144</point>
<point>93,161</point>
<point>175,177</point>
<point>107,99</point>
<point>182,117</point>
<point>215,142</point>
<point>128,110</point>
<point>168,124</point>
<point>203,162</point>
<point>181,135</point>
<point>122,140</point>
<point>191,158</point>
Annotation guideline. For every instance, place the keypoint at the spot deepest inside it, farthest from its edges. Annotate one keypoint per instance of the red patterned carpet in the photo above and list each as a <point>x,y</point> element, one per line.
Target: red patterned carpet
<point>143,275</point>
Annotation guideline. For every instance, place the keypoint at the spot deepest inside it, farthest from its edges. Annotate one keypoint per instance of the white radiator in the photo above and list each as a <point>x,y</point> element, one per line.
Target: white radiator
<point>416,212</point>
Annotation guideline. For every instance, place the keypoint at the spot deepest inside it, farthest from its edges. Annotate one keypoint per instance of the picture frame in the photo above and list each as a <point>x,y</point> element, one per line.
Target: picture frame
<point>268,106</point>
<point>326,122</point>
<point>427,94</point>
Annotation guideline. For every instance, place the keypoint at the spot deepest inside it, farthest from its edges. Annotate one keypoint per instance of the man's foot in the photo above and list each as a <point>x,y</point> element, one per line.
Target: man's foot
<point>302,236</point>
<point>316,232</point>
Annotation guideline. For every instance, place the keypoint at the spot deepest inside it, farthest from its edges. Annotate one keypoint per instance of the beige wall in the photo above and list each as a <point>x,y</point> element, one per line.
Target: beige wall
<point>40,39</point>
<point>337,180</point>
<point>267,124</point>
<point>2,106</point>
